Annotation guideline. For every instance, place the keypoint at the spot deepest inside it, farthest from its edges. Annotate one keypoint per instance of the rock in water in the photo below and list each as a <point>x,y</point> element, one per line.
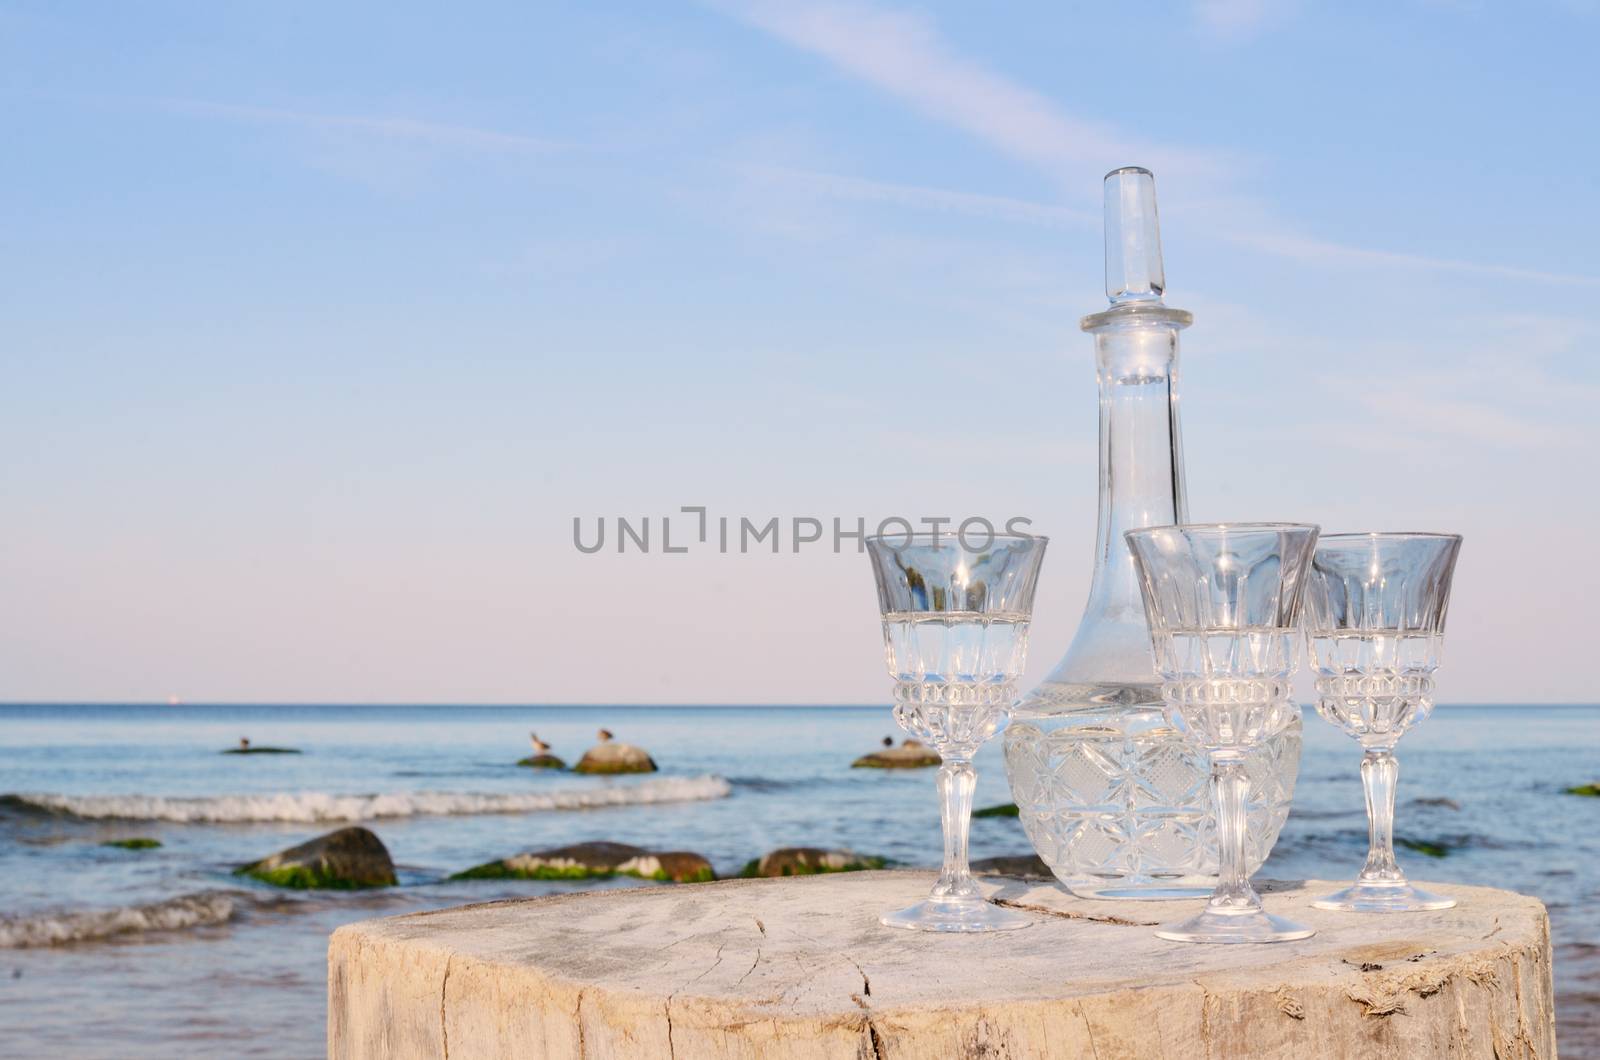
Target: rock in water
<point>615,758</point>
<point>585,861</point>
<point>1590,790</point>
<point>808,861</point>
<point>262,751</point>
<point>1025,866</point>
<point>913,754</point>
<point>348,859</point>
<point>542,762</point>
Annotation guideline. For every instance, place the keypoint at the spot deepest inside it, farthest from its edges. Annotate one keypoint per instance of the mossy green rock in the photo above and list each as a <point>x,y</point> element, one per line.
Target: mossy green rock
<point>597,860</point>
<point>910,755</point>
<point>1008,809</point>
<point>542,762</point>
<point>1025,866</point>
<point>1591,790</point>
<point>615,758</point>
<point>137,843</point>
<point>809,861</point>
<point>1423,846</point>
<point>349,859</point>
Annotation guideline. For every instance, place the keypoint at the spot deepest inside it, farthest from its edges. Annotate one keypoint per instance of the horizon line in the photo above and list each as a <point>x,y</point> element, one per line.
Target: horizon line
<point>727,705</point>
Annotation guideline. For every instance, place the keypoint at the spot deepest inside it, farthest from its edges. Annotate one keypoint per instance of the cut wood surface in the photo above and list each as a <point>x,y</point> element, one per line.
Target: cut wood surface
<point>799,967</point>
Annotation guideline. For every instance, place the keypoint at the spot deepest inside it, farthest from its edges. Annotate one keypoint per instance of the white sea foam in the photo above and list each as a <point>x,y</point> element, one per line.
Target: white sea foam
<point>174,914</point>
<point>314,806</point>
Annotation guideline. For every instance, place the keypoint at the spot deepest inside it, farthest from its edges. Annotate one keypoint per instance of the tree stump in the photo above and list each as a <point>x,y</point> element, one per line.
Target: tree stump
<point>800,968</point>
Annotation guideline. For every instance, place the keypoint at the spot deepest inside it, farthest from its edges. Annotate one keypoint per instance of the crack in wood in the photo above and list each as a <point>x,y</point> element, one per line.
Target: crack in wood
<point>1097,918</point>
<point>1205,1016</point>
<point>874,1039</point>
<point>1288,1004</point>
<point>866,984</point>
<point>444,1026</point>
<point>1088,1028</point>
<point>1387,995</point>
<point>753,966</point>
<point>714,964</point>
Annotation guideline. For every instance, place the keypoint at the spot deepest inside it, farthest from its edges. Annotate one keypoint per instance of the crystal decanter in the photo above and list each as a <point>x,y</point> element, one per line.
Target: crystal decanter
<point>1110,796</point>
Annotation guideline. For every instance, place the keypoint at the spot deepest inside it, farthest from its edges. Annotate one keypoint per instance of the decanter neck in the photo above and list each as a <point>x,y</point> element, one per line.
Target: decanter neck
<point>1109,663</point>
<point>1141,453</point>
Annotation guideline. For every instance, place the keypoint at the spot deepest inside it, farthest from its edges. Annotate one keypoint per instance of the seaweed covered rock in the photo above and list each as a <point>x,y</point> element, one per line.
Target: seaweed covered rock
<point>912,754</point>
<point>1025,866</point>
<point>595,860</point>
<point>609,757</point>
<point>262,751</point>
<point>349,859</point>
<point>136,843</point>
<point>808,861</point>
<point>542,761</point>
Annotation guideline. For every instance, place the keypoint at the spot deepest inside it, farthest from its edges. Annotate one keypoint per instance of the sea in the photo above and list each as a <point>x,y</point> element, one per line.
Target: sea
<point>112,952</point>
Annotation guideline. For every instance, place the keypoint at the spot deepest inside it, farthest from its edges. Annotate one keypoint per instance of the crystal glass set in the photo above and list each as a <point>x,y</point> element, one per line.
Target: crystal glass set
<point>1112,797</point>
<point>1158,760</point>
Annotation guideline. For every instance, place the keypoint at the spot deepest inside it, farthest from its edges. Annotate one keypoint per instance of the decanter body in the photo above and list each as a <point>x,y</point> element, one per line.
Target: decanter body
<point>1111,797</point>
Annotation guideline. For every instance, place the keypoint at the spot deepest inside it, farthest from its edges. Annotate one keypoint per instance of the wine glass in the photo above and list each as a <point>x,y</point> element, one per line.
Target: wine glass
<point>1375,611</point>
<point>956,609</point>
<point>1223,601</point>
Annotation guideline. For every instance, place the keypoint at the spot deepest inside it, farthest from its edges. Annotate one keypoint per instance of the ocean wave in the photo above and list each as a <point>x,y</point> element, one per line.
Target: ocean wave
<point>306,807</point>
<point>173,914</point>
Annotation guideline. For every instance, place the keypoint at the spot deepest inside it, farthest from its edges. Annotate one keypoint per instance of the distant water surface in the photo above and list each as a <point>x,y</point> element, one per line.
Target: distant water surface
<point>110,952</point>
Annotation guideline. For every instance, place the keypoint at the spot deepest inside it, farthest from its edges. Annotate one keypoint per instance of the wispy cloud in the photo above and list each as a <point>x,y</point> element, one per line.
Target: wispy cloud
<point>914,196</point>
<point>1412,412</point>
<point>1239,19</point>
<point>1281,243</point>
<point>1304,249</point>
<point>1486,401</point>
<point>566,256</point>
<point>411,130</point>
<point>904,54</point>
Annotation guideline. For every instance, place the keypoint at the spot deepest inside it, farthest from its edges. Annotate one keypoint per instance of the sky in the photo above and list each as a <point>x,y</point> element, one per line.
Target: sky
<point>320,324</point>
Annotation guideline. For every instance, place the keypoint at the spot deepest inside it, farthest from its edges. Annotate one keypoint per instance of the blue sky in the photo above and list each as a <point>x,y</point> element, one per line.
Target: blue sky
<point>320,323</point>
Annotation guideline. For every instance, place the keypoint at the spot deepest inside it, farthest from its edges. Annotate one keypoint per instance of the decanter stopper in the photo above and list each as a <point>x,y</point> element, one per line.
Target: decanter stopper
<point>1133,236</point>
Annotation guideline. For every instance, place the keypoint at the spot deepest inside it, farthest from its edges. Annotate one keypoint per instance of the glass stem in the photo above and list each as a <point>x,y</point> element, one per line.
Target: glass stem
<point>957,780</point>
<point>1380,772</point>
<point>1230,788</point>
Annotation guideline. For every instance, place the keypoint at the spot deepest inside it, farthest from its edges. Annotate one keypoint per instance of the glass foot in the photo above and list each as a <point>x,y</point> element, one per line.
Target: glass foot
<point>972,914</point>
<point>1144,889</point>
<point>1247,926</point>
<point>1383,898</point>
